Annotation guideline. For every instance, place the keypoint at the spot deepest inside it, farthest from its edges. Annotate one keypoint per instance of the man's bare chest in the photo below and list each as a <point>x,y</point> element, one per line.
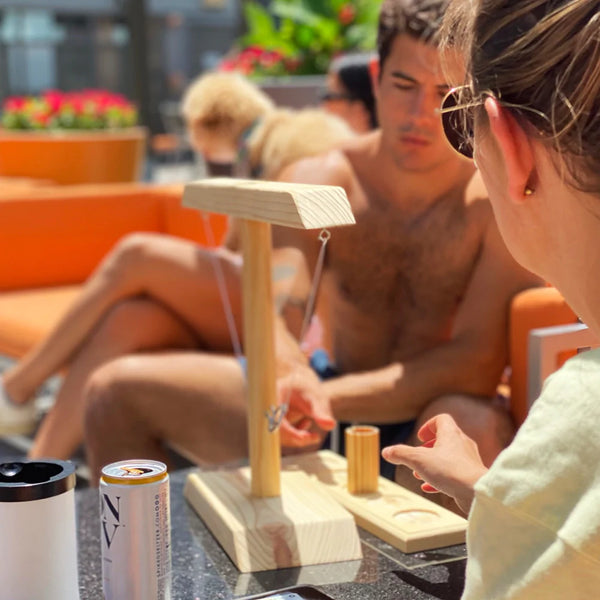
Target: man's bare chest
<point>392,261</point>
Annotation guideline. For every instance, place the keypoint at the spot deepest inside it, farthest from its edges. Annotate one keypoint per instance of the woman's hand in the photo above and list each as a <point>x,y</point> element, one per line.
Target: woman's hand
<point>448,461</point>
<point>309,416</point>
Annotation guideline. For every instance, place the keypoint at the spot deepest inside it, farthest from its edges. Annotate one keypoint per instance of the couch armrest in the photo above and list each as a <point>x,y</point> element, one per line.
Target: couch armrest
<point>57,235</point>
<point>531,309</point>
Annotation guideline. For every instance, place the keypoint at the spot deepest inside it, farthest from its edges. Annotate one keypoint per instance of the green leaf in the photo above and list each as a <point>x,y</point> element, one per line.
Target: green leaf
<point>295,12</point>
<point>361,36</point>
<point>259,21</point>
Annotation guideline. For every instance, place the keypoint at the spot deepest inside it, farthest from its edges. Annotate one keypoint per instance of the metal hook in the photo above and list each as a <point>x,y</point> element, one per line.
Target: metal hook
<point>324,236</point>
<point>275,415</point>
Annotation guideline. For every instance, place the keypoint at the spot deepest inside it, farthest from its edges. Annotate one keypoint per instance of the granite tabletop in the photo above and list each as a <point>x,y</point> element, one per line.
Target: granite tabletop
<point>202,570</point>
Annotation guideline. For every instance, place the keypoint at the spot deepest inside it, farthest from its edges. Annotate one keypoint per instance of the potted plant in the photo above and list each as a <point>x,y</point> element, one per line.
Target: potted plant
<point>75,137</point>
<point>293,38</point>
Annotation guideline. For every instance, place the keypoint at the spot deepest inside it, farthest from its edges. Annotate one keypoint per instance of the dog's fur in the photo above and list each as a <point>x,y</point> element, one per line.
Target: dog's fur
<point>285,136</point>
<point>227,103</point>
<point>224,102</point>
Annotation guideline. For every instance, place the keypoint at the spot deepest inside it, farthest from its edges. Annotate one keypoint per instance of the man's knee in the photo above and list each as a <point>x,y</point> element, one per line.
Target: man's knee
<point>129,253</point>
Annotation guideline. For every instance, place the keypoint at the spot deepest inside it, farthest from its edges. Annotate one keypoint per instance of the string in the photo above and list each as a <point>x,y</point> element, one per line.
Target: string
<point>324,237</point>
<point>275,414</point>
<point>225,300</point>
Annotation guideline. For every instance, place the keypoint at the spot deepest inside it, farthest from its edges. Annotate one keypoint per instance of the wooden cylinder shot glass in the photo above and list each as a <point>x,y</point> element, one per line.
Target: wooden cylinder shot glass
<point>362,453</point>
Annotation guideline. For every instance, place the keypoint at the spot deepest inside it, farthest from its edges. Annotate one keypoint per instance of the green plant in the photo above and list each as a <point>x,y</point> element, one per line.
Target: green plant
<point>301,37</point>
<point>87,109</point>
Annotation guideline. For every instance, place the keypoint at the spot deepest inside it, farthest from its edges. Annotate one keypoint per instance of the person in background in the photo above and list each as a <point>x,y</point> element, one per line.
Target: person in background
<point>156,294</point>
<point>528,112</point>
<point>349,91</point>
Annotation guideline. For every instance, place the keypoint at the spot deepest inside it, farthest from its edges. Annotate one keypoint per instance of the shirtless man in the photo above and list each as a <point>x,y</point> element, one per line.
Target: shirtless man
<point>414,296</point>
<point>417,291</point>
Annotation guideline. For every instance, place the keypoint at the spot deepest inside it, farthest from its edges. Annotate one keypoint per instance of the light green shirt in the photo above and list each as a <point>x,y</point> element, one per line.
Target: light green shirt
<point>534,527</point>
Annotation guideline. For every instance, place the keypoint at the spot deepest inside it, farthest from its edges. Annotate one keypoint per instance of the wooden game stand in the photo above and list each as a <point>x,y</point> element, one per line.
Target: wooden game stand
<point>260,525</point>
<point>265,519</point>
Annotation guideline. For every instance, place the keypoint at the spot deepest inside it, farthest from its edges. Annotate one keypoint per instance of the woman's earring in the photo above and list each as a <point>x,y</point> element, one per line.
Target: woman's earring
<point>528,191</point>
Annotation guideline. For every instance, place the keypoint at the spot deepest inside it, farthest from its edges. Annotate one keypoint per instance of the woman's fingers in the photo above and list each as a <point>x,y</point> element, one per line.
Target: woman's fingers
<point>428,488</point>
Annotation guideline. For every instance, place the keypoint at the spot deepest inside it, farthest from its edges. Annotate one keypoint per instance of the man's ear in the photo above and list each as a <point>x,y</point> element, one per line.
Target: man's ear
<point>374,72</point>
<point>515,147</point>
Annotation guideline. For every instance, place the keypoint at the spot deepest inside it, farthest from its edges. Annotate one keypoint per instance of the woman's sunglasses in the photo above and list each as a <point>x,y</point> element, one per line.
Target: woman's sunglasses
<point>458,111</point>
<point>457,121</point>
<point>329,96</point>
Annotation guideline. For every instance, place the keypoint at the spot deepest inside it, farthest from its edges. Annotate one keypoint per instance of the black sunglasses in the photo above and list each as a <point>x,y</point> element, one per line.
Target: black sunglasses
<point>457,121</point>
<point>328,96</point>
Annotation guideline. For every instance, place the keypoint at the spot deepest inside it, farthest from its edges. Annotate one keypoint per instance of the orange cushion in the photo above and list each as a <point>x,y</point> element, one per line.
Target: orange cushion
<point>533,308</point>
<point>47,240</point>
<point>27,316</point>
<point>188,223</point>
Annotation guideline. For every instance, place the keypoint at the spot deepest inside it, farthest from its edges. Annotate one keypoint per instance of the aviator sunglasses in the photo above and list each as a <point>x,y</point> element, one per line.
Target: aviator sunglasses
<point>457,113</point>
<point>457,121</point>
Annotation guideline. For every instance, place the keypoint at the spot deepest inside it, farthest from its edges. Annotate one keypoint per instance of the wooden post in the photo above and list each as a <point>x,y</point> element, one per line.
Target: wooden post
<point>259,348</point>
<point>362,450</point>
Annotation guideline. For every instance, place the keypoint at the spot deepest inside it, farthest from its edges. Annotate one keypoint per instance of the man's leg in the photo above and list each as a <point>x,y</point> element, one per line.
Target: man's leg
<point>130,326</point>
<point>194,402</point>
<point>174,272</point>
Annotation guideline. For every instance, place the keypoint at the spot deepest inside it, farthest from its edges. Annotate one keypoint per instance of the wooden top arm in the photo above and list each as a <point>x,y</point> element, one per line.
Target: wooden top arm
<point>302,206</point>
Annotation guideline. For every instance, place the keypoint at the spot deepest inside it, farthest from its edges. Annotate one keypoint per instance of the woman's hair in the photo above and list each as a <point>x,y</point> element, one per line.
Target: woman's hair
<point>421,19</point>
<point>353,73</point>
<point>544,57</point>
<point>224,101</point>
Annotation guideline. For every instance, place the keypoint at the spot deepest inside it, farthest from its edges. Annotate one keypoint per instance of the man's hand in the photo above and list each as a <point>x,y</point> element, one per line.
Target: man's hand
<point>448,461</point>
<point>309,414</point>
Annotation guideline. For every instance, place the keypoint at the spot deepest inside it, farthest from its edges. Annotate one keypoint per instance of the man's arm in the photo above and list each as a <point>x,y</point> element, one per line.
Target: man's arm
<point>328,169</point>
<point>470,362</point>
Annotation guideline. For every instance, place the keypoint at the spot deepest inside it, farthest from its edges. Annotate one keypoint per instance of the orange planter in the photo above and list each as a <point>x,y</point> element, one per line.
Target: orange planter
<point>67,157</point>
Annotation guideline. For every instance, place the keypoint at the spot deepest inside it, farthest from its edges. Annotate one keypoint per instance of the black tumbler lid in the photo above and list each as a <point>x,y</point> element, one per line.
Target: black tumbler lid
<point>24,480</point>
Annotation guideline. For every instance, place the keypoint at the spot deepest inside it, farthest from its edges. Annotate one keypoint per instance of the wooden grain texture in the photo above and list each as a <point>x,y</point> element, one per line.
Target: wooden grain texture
<point>259,348</point>
<point>362,453</point>
<point>303,526</point>
<point>296,205</point>
<point>402,518</point>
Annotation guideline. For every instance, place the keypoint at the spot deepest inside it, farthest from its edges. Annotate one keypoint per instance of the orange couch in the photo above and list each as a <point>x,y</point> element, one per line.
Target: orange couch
<point>52,238</point>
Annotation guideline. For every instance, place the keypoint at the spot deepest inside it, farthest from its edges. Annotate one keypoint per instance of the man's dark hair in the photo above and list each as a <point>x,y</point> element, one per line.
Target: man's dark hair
<point>421,19</point>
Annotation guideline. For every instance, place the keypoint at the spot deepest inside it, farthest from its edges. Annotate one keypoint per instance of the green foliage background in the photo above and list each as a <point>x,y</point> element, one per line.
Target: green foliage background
<point>310,32</point>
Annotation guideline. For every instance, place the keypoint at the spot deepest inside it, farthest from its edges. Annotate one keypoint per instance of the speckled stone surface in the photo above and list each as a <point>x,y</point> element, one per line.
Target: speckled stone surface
<point>202,570</point>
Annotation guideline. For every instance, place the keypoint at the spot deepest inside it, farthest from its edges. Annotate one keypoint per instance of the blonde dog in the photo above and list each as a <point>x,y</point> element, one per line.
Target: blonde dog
<point>226,114</point>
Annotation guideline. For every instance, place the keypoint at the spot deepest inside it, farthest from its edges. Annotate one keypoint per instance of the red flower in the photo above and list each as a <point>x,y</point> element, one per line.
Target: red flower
<point>54,100</point>
<point>14,103</point>
<point>347,14</point>
<point>73,110</point>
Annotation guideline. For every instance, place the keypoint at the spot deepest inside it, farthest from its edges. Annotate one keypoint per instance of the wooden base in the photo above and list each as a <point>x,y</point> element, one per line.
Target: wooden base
<point>402,518</point>
<point>303,526</point>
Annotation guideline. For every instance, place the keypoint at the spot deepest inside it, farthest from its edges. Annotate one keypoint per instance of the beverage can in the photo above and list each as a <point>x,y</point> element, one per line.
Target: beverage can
<point>135,530</point>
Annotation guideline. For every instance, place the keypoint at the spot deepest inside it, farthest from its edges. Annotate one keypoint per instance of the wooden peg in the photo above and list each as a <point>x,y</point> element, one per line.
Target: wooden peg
<point>362,452</point>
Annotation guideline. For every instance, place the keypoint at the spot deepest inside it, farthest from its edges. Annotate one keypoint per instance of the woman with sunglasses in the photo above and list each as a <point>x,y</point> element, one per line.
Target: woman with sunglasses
<point>349,91</point>
<point>529,115</point>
